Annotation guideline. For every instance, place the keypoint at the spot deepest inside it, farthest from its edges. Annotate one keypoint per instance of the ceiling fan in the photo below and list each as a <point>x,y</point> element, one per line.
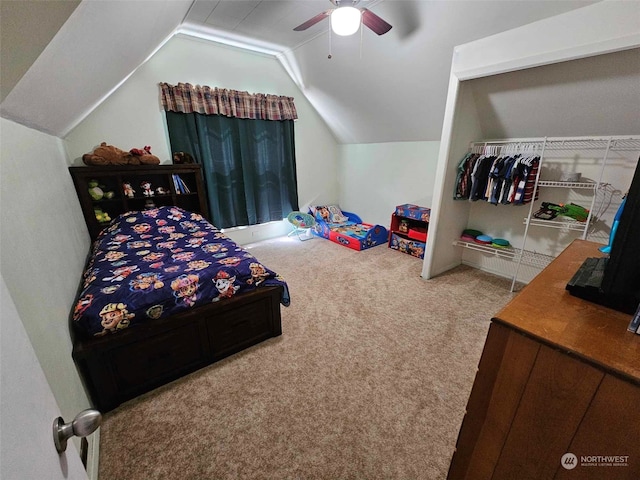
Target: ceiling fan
<point>346,19</point>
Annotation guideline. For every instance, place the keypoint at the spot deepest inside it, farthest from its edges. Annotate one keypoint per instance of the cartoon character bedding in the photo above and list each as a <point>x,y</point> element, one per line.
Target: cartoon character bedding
<point>155,263</point>
<point>346,228</point>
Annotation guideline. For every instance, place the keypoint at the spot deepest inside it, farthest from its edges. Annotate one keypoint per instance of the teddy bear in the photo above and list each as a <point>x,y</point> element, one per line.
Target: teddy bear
<point>109,155</point>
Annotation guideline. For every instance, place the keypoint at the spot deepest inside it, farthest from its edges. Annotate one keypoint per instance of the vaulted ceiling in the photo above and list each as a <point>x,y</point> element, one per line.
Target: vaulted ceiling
<point>60,59</point>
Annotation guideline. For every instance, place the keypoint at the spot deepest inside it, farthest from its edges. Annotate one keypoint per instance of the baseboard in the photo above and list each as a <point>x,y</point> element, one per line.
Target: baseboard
<point>93,455</point>
<point>529,271</point>
<point>440,271</point>
<point>484,268</point>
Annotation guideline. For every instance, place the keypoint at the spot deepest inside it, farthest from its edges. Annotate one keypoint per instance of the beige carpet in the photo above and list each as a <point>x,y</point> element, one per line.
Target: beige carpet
<point>369,380</point>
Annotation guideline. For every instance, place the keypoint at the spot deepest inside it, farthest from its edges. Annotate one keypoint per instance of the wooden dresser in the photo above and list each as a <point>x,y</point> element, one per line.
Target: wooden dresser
<point>558,375</point>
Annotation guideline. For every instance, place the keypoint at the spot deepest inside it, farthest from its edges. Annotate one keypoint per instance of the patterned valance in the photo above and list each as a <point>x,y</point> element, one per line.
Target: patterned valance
<point>185,98</point>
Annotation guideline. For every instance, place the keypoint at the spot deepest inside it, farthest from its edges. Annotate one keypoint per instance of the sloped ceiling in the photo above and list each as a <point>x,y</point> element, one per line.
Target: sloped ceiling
<point>20,42</point>
<point>373,88</point>
<point>540,100</point>
<point>97,48</point>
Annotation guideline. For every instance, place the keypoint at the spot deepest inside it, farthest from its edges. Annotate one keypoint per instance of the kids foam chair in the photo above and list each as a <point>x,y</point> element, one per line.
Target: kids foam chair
<point>302,223</point>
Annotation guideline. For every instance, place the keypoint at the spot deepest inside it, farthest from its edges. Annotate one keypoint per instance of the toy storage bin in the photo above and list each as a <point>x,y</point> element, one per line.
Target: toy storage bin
<point>409,228</point>
<point>418,233</point>
<point>411,247</point>
<point>409,210</point>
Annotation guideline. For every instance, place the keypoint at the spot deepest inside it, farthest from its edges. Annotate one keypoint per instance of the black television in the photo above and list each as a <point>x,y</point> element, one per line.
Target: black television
<point>619,281</point>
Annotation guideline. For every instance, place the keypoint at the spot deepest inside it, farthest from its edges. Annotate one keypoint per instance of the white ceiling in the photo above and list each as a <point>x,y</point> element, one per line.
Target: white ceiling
<point>271,21</point>
<point>373,89</point>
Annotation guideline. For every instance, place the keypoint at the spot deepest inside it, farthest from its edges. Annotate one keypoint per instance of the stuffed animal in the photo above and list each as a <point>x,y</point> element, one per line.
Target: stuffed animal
<point>110,155</point>
<point>147,191</point>
<point>101,216</point>
<point>97,192</point>
<point>145,156</point>
<point>180,158</point>
<point>128,189</point>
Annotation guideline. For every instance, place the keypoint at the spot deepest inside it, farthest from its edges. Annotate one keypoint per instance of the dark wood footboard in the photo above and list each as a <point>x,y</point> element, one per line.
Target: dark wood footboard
<point>120,367</point>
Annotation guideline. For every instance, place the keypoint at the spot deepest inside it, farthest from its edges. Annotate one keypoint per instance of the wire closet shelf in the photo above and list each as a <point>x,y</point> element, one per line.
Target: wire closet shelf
<point>541,146</point>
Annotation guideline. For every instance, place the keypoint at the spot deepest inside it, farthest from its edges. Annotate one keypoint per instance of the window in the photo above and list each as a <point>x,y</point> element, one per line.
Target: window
<point>245,143</point>
<point>248,165</point>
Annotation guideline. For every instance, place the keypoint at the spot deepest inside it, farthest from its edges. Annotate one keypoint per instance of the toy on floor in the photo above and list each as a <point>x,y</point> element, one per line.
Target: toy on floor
<point>301,223</point>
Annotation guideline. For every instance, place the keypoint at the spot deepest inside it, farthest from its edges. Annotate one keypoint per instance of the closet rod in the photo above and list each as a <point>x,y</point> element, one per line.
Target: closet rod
<point>614,143</point>
<point>633,138</point>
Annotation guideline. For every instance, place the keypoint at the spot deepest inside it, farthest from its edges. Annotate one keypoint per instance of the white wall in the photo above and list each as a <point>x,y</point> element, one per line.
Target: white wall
<point>374,178</point>
<point>560,99</point>
<point>28,409</point>
<point>369,179</point>
<point>44,245</point>
<point>132,116</point>
<point>460,125</point>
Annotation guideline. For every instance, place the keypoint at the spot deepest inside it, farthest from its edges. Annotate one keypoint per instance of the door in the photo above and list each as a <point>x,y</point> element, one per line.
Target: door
<point>28,408</point>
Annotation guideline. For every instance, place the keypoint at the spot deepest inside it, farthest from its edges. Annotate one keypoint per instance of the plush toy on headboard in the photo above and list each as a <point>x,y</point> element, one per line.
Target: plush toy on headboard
<point>109,155</point>
<point>180,158</point>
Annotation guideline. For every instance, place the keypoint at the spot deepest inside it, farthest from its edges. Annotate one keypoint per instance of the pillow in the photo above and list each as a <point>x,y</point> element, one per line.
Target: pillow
<point>336,214</point>
<point>330,214</point>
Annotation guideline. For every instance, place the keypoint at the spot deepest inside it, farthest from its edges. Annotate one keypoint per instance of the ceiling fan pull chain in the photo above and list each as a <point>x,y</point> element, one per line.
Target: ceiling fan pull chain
<point>329,57</point>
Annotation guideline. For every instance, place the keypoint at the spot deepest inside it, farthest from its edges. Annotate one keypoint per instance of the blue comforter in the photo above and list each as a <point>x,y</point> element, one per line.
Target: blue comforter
<point>155,263</point>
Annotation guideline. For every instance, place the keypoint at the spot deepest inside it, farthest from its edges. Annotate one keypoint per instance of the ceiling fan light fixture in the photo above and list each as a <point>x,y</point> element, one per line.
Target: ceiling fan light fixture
<point>345,21</point>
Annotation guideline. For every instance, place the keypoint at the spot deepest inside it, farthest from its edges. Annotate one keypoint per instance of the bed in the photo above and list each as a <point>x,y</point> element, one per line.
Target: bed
<point>163,294</point>
<point>346,228</point>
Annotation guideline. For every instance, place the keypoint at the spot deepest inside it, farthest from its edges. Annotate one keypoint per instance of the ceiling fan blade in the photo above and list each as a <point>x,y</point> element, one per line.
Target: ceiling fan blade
<point>312,21</point>
<point>374,22</point>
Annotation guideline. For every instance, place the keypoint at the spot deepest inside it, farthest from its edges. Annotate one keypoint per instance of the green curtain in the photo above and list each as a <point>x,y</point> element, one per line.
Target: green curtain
<point>249,166</point>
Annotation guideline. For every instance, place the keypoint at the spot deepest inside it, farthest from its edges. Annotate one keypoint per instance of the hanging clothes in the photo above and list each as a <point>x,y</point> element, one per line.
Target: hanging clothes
<point>531,181</point>
<point>480,178</point>
<point>499,175</point>
<point>507,180</point>
<point>463,180</point>
<point>524,177</point>
<point>499,179</point>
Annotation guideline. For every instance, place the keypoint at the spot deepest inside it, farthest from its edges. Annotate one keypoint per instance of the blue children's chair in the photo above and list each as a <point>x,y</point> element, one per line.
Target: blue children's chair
<point>301,223</point>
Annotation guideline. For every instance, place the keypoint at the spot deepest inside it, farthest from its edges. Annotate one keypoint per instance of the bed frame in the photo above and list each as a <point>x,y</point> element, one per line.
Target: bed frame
<point>376,234</point>
<point>116,368</point>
